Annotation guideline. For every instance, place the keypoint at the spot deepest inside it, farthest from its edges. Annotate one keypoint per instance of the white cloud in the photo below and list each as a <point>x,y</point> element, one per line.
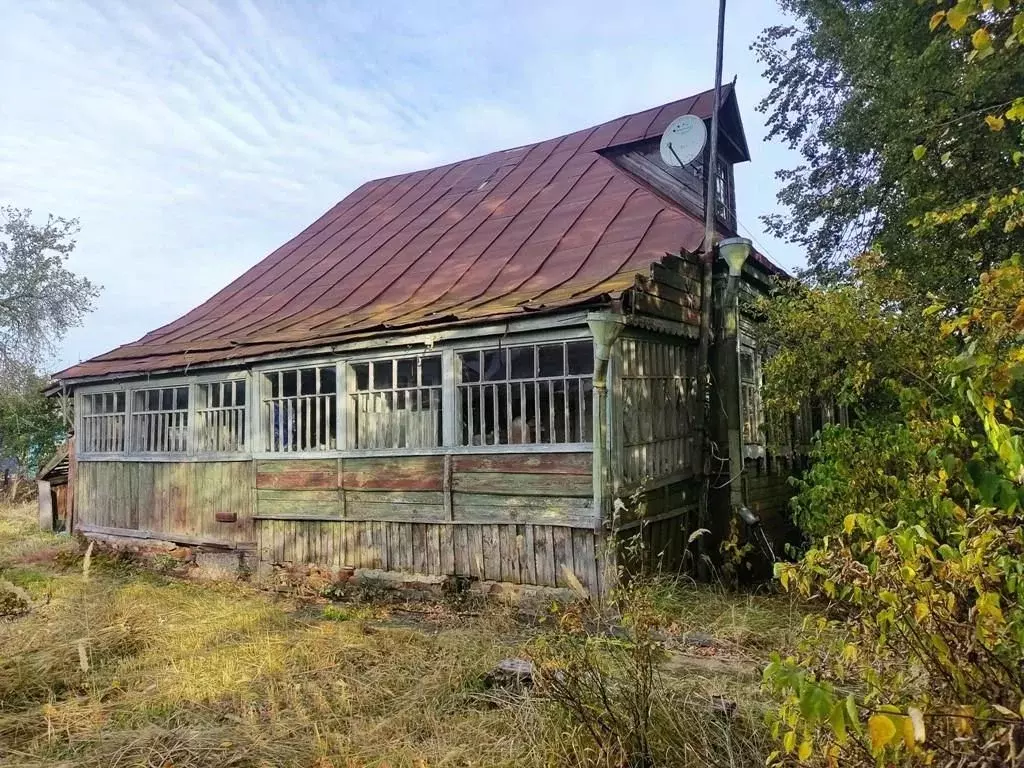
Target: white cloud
<point>193,137</point>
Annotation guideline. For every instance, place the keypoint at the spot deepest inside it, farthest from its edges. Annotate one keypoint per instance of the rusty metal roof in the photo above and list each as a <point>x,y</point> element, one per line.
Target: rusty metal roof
<point>539,228</point>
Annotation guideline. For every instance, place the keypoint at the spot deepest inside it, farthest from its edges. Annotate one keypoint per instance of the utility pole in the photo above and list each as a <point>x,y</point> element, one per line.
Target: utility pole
<point>707,260</point>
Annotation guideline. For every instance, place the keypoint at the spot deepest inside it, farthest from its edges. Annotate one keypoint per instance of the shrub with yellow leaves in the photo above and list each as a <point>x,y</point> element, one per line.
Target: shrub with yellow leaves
<point>918,655</point>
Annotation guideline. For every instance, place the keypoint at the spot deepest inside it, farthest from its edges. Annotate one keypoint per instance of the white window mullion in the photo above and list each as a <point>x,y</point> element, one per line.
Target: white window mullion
<point>191,429</point>
<point>449,421</point>
<point>127,447</point>
<point>342,405</point>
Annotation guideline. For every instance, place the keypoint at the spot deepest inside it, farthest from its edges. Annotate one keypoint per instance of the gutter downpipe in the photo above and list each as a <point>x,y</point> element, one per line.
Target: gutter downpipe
<point>734,252</point>
<point>701,460</point>
<point>605,328</point>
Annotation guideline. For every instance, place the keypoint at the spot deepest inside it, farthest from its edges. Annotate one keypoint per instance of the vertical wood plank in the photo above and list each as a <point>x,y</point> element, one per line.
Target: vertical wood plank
<point>447,549</point>
<point>419,547</point>
<point>433,549</point>
<point>563,553</point>
<point>543,556</point>
<point>492,552</point>
<point>528,562</point>
<point>461,550</point>
<point>584,562</point>
<point>476,550</point>
<point>515,556</point>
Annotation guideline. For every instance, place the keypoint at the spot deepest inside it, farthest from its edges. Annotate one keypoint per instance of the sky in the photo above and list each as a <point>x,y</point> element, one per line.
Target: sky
<point>192,137</point>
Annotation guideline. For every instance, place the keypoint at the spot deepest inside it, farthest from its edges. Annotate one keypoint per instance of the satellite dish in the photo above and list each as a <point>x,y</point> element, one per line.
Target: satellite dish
<point>683,140</point>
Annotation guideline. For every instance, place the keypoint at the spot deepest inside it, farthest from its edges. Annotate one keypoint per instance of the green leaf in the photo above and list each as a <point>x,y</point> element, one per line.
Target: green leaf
<point>919,151</point>
<point>837,719</point>
<point>852,713</point>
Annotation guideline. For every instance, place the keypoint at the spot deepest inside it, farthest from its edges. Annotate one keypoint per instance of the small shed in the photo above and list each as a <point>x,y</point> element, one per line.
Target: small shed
<point>486,370</point>
<point>54,490</point>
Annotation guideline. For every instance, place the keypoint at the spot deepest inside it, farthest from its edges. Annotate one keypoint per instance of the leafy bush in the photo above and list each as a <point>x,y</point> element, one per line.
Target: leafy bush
<point>918,558</point>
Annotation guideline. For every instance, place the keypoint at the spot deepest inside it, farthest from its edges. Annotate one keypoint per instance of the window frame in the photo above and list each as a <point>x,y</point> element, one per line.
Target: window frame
<point>574,330</point>
<point>349,390</point>
<point>535,381</point>
<point>751,448</point>
<point>191,383</point>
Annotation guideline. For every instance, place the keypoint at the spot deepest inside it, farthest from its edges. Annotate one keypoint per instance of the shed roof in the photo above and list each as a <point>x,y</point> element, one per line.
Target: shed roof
<point>539,228</point>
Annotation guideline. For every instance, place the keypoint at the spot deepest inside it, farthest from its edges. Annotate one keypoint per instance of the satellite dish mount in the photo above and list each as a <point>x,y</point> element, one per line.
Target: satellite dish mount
<point>683,141</point>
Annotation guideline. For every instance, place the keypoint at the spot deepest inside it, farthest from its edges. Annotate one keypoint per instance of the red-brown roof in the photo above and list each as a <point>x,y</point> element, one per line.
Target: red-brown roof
<point>543,227</point>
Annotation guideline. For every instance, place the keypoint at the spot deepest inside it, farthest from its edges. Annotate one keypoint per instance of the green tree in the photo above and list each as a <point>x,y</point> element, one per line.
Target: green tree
<point>910,133</point>
<point>31,424</point>
<point>40,298</point>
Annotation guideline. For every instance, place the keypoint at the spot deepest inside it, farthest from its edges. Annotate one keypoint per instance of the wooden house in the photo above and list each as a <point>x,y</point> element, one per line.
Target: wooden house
<point>456,371</point>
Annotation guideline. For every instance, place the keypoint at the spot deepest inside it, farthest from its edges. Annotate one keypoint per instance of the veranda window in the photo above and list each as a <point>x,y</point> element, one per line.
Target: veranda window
<point>750,397</point>
<point>160,420</point>
<point>300,411</point>
<point>220,416</point>
<point>102,423</point>
<point>540,393</point>
<point>395,403</point>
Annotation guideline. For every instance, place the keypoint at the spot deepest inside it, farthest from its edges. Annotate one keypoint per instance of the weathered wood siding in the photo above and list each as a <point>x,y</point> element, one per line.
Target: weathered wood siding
<point>654,536</point>
<point>671,291</point>
<point>520,554</point>
<point>496,488</point>
<point>179,501</point>
<point>521,518</point>
<point>654,408</point>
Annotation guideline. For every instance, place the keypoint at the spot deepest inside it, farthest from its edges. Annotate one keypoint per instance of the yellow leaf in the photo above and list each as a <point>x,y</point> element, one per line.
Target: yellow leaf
<point>848,523</point>
<point>981,39</point>
<point>963,723</point>
<point>917,720</point>
<point>789,741</point>
<point>919,151</point>
<point>995,123</point>
<point>936,20</point>
<point>907,732</point>
<point>805,750</point>
<point>956,18</point>
<point>881,729</point>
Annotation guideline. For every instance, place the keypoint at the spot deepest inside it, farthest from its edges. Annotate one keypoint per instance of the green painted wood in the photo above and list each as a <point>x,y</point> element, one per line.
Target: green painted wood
<point>550,516</point>
<point>413,513</point>
<point>523,484</point>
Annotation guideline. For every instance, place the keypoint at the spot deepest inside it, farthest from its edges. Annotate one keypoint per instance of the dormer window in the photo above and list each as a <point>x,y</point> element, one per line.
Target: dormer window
<point>684,185</point>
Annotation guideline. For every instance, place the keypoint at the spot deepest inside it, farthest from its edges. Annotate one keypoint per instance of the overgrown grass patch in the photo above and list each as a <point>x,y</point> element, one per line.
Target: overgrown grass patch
<point>131,668</point>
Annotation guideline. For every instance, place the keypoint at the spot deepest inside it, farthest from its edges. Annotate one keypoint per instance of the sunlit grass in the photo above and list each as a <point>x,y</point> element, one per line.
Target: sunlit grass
<point>130,668</point>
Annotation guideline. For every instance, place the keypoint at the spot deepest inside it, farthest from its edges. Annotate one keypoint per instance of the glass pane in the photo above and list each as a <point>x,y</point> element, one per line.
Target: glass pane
<point>181,398</point>
<point>521,363</point>
<point>494,365</point>
<point>362,376</point>
<point>328,380</point>
<point>383,371</point>
<point>290,382</point>
<point>406,374</point>
<point>581,357</point>
<point>470,362</point>
<point>239,393</point>
<point>551,360</point>
<point>430,371</point>
<point>307,381</point>
<point>747,366</point>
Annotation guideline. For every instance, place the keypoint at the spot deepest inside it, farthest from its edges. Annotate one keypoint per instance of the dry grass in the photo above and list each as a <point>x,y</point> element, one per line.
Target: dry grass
<point>126,668</point>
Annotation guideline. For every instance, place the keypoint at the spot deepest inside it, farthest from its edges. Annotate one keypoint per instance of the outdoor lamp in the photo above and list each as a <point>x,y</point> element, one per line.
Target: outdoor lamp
<point>735,251</point>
